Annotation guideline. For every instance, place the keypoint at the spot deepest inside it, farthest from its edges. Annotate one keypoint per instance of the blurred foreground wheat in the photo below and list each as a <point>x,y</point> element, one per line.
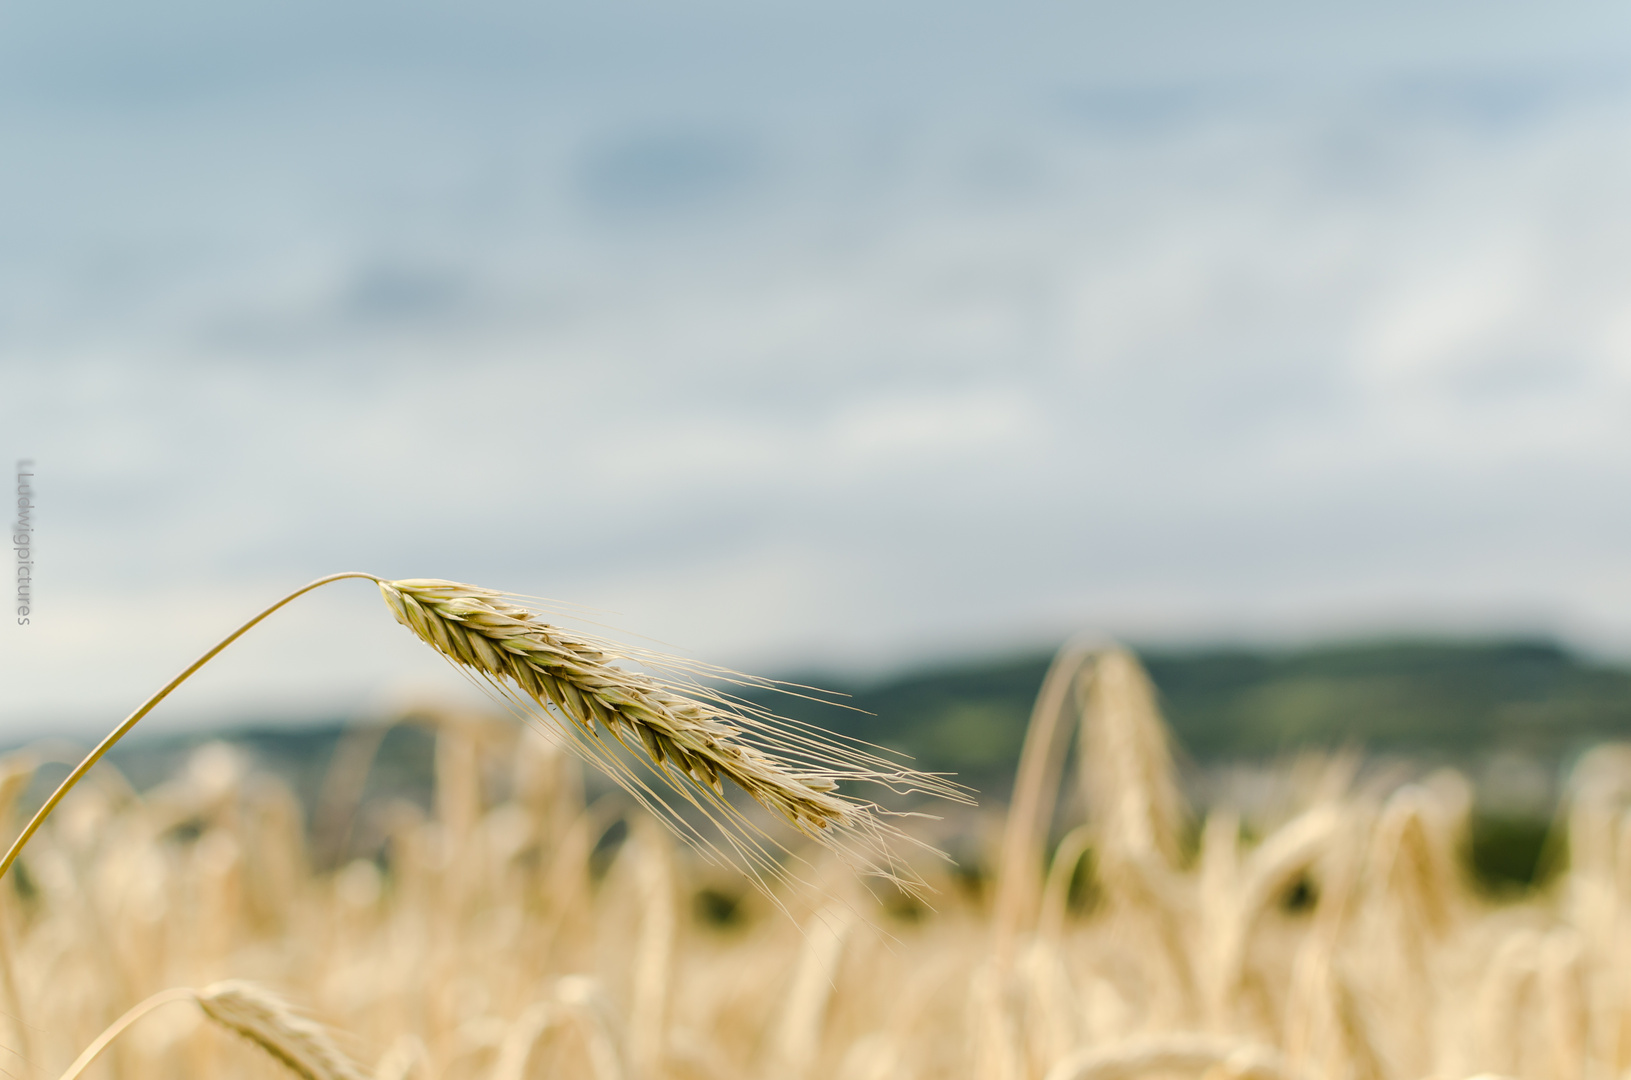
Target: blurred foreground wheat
<point>492,939</point>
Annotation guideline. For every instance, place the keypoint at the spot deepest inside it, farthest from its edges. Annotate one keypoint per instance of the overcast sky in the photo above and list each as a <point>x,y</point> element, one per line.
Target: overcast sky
<point>804,336</point>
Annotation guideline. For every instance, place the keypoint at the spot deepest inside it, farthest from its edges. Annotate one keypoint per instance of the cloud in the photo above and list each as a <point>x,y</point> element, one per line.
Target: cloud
<point>793,380</point>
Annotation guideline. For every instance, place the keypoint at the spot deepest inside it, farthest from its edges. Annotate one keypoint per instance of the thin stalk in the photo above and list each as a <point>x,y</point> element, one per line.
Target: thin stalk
<point>1030,812</point>
<point>94,1051</point>
<point>119,732</point>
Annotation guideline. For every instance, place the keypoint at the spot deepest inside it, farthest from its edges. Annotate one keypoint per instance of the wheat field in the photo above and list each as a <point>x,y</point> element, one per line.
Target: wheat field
<point>500,934</point>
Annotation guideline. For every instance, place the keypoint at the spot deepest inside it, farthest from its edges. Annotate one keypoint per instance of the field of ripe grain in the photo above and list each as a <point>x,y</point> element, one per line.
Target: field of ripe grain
<point>516,929</point>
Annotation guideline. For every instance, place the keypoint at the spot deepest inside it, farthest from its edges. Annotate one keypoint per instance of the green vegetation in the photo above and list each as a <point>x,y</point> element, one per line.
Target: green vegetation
<point>1509,853</point>
<point>1437,698</point>
<point>1452,701</point>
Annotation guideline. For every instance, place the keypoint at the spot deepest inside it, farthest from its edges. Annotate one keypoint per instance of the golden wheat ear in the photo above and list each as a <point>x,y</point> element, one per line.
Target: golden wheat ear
<point>694,738</point>
<point>302,1046</point>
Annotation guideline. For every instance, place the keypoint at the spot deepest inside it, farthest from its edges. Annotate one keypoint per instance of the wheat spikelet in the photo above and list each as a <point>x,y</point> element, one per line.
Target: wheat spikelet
<point>1136,811</point>
<point>696,738</point>
<point>303,1046</point>
<point>1126,764</point>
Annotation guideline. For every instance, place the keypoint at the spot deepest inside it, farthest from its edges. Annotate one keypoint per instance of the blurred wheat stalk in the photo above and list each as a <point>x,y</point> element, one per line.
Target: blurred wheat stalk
<point>492,940</point>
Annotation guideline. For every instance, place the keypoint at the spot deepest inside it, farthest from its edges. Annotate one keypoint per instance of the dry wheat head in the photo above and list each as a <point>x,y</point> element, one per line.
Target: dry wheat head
<point>694,736</point>
<point>300,1044</point>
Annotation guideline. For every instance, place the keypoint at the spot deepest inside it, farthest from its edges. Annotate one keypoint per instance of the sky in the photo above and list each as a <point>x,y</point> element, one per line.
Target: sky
<point>804,337</point>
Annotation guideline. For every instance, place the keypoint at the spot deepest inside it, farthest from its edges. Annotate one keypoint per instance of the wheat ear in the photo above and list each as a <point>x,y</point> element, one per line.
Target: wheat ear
<point>479,630</point>
<point>695,737</point>
<point>301,1045</point>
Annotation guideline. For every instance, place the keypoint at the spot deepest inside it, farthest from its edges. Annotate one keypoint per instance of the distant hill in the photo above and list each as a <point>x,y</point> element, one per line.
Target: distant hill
<point>1447,700</point>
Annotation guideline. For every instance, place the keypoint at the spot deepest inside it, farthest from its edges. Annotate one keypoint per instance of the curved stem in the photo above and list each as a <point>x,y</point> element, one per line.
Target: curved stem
<point>1030,810</point>
<point>94,1051</point>
<point>1056,889</point>
<point>119,732</point>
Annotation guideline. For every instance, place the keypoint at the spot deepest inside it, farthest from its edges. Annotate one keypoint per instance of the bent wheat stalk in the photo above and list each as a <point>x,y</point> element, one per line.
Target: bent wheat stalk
<point>117,1028</point>
<point>146,707</point>
<point>300,1045</point>
<point>692,736</point>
